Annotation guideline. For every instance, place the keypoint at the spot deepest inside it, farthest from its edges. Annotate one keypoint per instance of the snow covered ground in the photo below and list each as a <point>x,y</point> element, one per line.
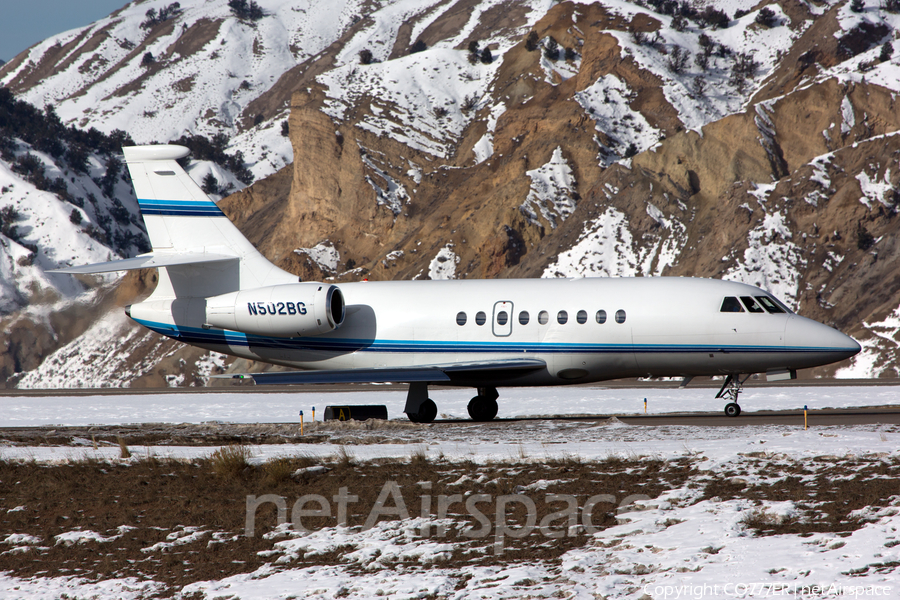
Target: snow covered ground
<point>496,441</point>
<point>677,545</point>
<point>279,407</point>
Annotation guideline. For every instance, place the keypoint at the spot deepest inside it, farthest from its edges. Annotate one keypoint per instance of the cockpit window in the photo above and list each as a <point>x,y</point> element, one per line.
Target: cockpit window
<point>731,304</point>
<point>769,304</point>
<point>781,304</point>
<point>751,304</point>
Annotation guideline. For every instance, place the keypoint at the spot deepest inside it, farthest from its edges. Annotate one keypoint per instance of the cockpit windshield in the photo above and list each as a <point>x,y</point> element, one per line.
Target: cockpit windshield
<point>781,304</point>
<point>755,304</point>
<point>769,304</point>
<point>751,304</point>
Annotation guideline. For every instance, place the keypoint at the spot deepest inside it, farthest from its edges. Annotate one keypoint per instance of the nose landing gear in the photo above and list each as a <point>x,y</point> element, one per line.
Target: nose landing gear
<point>483,407</point>
<point>731,389</point>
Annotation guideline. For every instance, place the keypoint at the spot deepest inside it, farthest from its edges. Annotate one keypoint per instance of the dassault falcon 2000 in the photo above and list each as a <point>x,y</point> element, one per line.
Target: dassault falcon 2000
<point>218,292</point>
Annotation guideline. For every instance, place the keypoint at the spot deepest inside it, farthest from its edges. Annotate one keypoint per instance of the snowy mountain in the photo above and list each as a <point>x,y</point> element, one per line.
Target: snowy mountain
<point>495,139</point>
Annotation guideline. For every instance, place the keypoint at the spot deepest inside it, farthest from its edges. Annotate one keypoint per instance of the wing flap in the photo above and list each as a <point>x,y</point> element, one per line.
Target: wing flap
<point>148,261</point>
<point>440,373</point>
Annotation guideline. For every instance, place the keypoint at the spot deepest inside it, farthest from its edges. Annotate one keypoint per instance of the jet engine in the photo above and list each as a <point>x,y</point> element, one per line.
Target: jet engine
<point>287,310</point>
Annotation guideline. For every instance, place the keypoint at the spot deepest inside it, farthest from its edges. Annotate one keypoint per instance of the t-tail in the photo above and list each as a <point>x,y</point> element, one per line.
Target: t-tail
<point>210,276</point>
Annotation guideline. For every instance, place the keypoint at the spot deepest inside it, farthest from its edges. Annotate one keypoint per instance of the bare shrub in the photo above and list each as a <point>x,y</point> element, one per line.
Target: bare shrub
<point>551,49</point>
<point>698,86</point>
<point>678,59</point>
<point>860,38</point>
<point>766,17</point>
<point>744,67</point>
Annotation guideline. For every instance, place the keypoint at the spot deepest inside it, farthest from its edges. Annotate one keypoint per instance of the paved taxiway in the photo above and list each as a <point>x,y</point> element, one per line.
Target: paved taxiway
<point>831,403</point>
<point>856,416</point>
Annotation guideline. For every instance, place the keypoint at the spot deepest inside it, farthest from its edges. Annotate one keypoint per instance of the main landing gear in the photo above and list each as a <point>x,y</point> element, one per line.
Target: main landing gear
<point>422,409</point>
<point>426,414</point>
<point>732,387</point>
<point>483,407</point>
<point>419,407</point>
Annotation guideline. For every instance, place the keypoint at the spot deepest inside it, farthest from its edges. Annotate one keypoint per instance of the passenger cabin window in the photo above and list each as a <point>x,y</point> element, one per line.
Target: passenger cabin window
<point>523,317</point>
<point>620,316</point>
<point>562,317</point>
<point>502,317</point>
<point>460,318</point>
<point>769,304</point>
<point>480,318</point>
<point>543,317</point>
<point>751,304</point>
<point>731,304</point>
<point>581,317</point>
<point>601,316</point>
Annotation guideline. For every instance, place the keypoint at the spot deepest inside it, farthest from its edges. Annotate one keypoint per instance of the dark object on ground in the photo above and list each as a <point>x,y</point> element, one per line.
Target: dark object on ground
<point>360,412</point>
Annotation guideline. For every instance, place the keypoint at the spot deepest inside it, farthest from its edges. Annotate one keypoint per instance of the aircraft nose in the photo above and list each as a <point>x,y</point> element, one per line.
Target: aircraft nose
<point>811,336</point>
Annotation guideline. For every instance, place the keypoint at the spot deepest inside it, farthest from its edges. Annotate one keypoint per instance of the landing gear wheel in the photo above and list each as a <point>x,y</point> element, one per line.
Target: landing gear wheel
<point>482,408</point>
<point>730,391</point>
<point>427,412</point>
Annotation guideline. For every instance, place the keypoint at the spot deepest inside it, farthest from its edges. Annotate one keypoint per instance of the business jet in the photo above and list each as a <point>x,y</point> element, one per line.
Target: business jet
<point>216,291</point>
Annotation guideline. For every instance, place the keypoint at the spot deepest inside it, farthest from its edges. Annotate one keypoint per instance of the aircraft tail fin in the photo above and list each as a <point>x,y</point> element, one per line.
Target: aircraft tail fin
<point>198,250</point>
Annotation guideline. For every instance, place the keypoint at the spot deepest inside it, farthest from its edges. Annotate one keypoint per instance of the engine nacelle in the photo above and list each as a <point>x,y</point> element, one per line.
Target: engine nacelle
<point>288,310</point>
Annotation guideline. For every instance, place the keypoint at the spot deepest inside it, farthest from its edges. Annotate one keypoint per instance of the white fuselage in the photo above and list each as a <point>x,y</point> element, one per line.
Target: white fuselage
<point>671,327</point>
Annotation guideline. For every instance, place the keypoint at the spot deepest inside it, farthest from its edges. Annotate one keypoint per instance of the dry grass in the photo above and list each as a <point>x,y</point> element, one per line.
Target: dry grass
<point>157,496</point>
<point>124,452</point>
<point>762,520</point>
<point>278,470</point>
<point>419,456</point>
<point>344,457</point>
<point>824,495</point>
<point>230,461</point>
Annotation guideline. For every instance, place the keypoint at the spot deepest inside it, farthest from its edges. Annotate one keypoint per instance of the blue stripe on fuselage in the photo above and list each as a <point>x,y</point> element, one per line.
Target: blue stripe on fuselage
<point>192,335</point>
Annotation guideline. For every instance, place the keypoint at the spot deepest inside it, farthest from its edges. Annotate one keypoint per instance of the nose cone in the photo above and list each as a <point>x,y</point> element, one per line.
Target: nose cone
<point>817,344</point>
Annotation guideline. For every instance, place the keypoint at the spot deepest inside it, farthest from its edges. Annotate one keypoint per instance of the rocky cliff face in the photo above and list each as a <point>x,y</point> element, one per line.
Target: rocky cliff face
<point>794,192</point>
<point>762,148</point>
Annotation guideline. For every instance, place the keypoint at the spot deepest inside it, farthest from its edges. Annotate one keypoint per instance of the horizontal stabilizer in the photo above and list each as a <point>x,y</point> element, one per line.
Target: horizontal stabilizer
<point>148,261</point>
<point>427,373</point>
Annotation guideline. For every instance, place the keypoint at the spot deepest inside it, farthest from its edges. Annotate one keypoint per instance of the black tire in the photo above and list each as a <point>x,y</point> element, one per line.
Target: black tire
<point>492,409</point>
<point>474,408</point>
<point>732,409</point>
<point>427,413</point>
<point>482,409</point>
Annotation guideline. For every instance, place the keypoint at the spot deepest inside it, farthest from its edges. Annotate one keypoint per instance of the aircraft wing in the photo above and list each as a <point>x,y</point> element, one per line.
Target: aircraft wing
<point>148,261</point>
<point>429,373</point>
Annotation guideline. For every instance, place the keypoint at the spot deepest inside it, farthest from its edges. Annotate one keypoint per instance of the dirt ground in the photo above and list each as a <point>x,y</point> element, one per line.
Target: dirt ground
<point>181,521</point>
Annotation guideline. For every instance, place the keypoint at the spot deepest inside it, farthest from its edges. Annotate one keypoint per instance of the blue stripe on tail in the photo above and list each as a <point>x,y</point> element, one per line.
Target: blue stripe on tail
<point>180,208</point>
